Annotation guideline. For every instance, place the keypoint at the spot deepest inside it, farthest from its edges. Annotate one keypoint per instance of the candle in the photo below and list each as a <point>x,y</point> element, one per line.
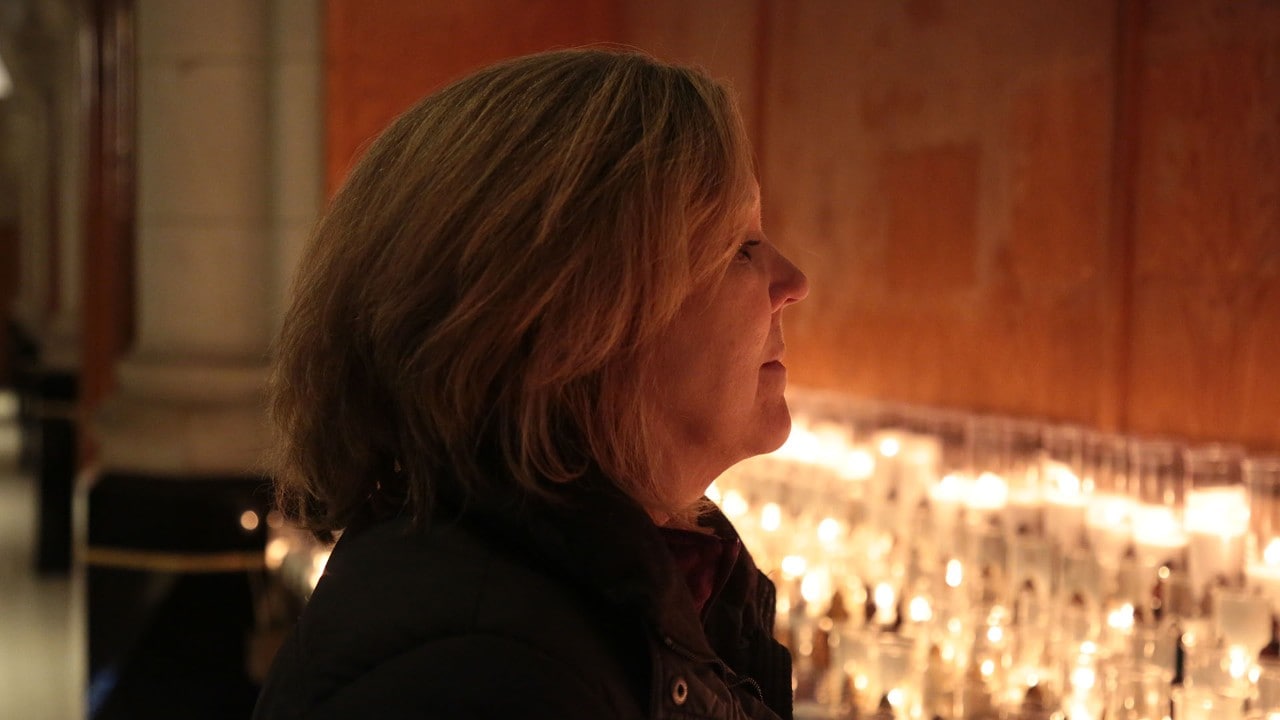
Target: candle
<point>1216,521</point>
<point>1264,575</point>
<point>1158,535</point>
<point>1109,521</point>
<point>1065,504</point>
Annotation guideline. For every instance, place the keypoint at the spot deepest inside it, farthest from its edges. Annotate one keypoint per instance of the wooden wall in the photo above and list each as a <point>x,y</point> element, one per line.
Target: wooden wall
<point>1066,209</point>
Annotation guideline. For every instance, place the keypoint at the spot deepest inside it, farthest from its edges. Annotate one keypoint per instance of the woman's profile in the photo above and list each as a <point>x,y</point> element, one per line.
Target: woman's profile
<point>536,322</point>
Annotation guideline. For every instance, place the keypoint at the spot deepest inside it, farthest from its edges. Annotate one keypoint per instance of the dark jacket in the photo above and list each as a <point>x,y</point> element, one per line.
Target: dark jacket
<point>572,610</point>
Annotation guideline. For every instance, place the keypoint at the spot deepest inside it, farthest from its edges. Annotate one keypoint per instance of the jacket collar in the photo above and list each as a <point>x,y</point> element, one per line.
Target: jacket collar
<point>599,539</point>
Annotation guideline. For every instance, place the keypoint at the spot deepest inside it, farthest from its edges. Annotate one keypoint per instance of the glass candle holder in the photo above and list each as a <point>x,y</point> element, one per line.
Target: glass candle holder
<point>1262,477</point>
<point>1064,483</point>
<point>1159,536</point>
<point>1216,517</point>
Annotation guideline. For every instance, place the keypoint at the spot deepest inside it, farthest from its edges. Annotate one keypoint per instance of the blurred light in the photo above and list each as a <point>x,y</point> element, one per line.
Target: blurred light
<point>987,668</point>
<point>829,530</point>
<point>735,506</point>
<point>955,573</point>
<point>1121,618</point>
<point>771,517</point>
<point>895,697</point>
<point>249,520</point>
<point>277,550</point>
<point>858,465</point>
<point>885,599</point>
<point>918,610</point>
<point>275,520</point>
<point>713,493</point>
<point>318,561</point>
<point>1083,678</point>
<point>1271,555</point>
<point>890,447</point>
<point>793,566</point>
<point>995,634</point>
<point>815,587</point>
<point>6,82</point>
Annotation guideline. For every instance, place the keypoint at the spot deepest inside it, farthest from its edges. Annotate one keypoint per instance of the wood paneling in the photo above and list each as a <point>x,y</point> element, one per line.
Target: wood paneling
<point>382,57</point>
<point>1063,209</point>
<point>1205,339</point>
<point>942,174</point>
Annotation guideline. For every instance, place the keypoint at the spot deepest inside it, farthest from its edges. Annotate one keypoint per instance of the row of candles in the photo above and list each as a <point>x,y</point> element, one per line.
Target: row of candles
<point>939,564</point>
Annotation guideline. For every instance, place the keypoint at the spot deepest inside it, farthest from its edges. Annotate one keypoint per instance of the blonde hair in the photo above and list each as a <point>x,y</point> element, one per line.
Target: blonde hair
<point>476,306</point>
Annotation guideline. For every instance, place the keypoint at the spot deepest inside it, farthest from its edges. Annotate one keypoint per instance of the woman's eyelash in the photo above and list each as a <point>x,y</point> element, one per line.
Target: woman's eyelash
<point>744,250</point>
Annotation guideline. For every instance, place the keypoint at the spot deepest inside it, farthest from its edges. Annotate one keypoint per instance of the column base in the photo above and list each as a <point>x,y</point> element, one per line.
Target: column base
<point>175,568</point>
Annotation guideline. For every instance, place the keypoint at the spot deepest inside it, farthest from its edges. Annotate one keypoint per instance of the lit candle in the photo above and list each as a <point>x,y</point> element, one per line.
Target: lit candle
<point>1265,574</point>
<point>1216,521</point>
<point>1065,504</point>
<point>1158,535</point>
<point>1109,520</point>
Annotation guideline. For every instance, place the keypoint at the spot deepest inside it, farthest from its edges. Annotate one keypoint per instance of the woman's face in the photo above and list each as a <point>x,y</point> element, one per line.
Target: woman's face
<point>718,368</point>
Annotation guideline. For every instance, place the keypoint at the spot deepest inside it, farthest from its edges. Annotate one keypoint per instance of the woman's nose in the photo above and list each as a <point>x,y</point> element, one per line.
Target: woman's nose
<point>790,284</point>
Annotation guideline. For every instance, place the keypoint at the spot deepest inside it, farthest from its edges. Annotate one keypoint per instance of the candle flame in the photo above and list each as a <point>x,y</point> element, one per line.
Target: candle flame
<point>829,530</point>
<point>1271,555</point>
<point>884,596</point>
<point>770,517</point>
<point>919,610</point>
<point>734,506</point>
<point>859,465</point>
<point>793,566</point>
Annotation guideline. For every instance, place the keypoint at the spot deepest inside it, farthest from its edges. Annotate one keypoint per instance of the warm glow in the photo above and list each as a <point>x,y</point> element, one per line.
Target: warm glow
<point>771,517</point>
<point>249,520</point>
<point>829,530</point>
<point>950,489</point>
<point>955,573</point>
<point>1238,662</point>
<point>1271,555</point>
<point>988,492</point>
<point>1121,618</point>
<point>1218,511</point>
<point>802,444</point>
<point>987,668</point>
<point>858,465</point>
<point>277,550</point>
<point>734,506</point>
<point>713,493</point>
<point>1063,483</point>
<point>890,447</point>
<point>919,610</point>
<point>1157,526</point>
<point>1083,679</point>
<point>995,634</point>
<point>815,587</point>
<point>884,596</point>
<point>318,562</point>
<point>895,697</point>
<point>275,520</point>
<point>793,566</point>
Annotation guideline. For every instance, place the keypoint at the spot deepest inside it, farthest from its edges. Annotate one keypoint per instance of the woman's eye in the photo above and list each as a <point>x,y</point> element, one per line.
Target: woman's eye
<point>744,250</point>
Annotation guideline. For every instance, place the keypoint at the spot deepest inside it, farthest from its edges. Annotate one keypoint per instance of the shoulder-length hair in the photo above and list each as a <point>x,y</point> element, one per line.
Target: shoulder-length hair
<point>475,308</point>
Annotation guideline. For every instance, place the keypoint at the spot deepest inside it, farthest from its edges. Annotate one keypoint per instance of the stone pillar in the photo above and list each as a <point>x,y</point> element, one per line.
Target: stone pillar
<point>189,394</point>
<point>228,124</point>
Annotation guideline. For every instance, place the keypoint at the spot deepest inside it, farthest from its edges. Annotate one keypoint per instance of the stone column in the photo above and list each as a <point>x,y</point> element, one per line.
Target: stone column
<point>228,158</point>
<point>189,395</point>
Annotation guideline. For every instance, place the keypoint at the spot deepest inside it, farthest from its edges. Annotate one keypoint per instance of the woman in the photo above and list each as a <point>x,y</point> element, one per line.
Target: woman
<point>537,321</point>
